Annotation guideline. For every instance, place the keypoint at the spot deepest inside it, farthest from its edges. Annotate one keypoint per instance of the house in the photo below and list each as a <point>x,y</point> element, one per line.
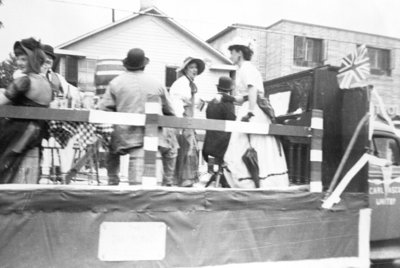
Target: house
<point>164,41</point>
<point>287,47</point>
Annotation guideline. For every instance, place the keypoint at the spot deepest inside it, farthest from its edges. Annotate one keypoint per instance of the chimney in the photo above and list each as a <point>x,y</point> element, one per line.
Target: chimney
<point>145,4</point>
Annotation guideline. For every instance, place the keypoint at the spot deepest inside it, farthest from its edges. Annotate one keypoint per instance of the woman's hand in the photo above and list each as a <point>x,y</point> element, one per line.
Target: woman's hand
<point>247,117</point>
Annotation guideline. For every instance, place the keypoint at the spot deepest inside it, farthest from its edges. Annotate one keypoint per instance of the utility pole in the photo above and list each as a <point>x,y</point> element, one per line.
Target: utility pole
<point>113,15</point>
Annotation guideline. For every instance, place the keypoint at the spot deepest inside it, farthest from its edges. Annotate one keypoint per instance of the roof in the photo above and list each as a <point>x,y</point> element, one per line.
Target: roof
<point>61,51</point>
<point>239,25</point>
<point>152,11</point>
<point>233,27</point>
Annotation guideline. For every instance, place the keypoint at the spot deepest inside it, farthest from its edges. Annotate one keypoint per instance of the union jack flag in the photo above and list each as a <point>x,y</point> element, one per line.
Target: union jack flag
<point>354,69</point>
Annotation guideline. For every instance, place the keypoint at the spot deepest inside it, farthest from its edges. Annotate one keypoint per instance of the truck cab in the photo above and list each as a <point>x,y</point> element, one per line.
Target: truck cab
<point>384,194</point>
<point>385,144</point>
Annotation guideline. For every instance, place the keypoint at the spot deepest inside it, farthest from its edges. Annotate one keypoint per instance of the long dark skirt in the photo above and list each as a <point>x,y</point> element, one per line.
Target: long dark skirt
<point>17,137</point>
<point>187,163</point>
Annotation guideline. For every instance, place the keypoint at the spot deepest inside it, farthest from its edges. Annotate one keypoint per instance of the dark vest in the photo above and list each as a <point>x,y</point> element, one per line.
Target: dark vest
<point>216,142</point>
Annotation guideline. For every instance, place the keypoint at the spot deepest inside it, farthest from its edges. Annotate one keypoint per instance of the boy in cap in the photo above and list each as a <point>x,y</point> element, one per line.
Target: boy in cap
<point>216,142</point>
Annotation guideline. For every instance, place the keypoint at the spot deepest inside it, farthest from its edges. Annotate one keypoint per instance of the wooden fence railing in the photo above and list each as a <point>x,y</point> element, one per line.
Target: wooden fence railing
<point>152,119</point>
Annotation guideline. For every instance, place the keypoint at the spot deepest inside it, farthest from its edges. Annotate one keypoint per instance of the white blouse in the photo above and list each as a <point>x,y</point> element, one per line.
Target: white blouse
<point>181,95</point>
<point>248,75</point>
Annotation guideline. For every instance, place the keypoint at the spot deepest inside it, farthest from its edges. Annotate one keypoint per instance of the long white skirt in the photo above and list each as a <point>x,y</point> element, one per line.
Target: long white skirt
<point>271,158</point>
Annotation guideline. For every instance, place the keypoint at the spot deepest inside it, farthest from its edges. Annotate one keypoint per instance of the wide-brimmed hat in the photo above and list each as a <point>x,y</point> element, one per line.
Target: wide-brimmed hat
<point>49,51</point>
<point>28,45</point>
<point>200,65</point>
<point>225,83</point>
<point>33,49</point>
<point>135,59</point>
<point>240,43</point>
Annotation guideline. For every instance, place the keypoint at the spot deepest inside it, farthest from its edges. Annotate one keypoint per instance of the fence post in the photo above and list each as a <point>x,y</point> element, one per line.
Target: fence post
<point>150,143</point>
<point>317,130</point>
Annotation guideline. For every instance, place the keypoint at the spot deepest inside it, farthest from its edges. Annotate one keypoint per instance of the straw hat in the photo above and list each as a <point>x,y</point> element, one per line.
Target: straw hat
<point>200,65</point>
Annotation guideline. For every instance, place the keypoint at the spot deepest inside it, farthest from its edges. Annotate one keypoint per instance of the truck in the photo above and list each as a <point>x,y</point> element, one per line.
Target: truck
<point>154,226</point>
<point>317,88</point>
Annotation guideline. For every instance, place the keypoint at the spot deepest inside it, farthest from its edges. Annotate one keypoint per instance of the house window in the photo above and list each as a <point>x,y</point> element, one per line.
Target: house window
<point>379,61</point>
<point>86,70</point>
<point>170,76</point>
<point>307,51</point>
<point>71,70</point>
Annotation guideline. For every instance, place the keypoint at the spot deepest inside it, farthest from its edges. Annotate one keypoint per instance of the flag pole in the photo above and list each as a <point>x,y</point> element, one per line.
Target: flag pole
<point>347,153</point>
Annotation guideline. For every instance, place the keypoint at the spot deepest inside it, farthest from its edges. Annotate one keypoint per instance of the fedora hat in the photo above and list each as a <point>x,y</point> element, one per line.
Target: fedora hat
<point>225,83</point>
<point>49,51</point>
<point>135,59</point>
<point>200,65</point>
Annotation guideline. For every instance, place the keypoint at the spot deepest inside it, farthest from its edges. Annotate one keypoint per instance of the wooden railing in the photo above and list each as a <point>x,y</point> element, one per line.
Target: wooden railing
<point>151,120</point>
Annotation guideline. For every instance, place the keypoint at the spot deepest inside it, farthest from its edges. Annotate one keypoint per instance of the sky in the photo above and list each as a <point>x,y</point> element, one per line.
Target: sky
<point>58,21</point>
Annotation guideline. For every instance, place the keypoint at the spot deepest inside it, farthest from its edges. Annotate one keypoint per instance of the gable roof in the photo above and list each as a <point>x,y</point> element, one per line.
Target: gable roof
<point>244,26</point>
<point>233,27</point>
<point>152,11</point>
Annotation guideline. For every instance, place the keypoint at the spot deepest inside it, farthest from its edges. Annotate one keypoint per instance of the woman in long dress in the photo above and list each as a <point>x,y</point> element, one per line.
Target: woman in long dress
<point>271,158</point>
<point>183,93</point>
<point>20,139</point>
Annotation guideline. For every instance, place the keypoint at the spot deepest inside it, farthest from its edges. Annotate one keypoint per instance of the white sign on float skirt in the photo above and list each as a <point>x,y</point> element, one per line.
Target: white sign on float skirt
<point>132,241</point>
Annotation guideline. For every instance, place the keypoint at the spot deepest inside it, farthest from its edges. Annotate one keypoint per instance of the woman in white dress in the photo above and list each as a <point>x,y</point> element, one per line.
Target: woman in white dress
<point>271,158</point>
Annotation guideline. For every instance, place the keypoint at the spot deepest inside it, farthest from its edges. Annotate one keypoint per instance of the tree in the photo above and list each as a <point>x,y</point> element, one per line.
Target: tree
<point>1,24</point>
<point>7,68</point>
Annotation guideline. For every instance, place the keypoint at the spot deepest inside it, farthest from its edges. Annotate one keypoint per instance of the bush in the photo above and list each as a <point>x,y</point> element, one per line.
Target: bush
<point>7,68</point>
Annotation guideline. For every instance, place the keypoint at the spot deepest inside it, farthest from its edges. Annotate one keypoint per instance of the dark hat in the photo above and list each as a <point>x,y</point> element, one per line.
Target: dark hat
<point>135,59</point>
<point>33,49</point>
<point>200,65</point>
<point>49,50</point>
<point>225,83</point>
<point>27,45</point>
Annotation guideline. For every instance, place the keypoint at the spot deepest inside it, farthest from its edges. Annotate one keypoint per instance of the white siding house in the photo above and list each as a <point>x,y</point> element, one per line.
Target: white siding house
<point>165,42</point>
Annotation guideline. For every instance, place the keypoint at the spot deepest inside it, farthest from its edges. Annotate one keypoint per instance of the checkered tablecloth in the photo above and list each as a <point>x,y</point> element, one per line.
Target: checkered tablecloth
<point>86,133</point>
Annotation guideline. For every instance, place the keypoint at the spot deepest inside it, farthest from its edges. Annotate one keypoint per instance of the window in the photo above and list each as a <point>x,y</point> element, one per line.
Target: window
<point>387,148</point>
<point>71,70</point>
<point>86,71</point>
<point>307,51</point>
<point>170,76</point>
<point>379,61</point>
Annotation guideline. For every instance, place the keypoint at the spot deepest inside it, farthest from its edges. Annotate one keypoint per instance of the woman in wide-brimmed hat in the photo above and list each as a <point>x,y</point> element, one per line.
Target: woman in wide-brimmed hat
<point>183,93</point>
<point>272,169</point>
<point>20,139</point>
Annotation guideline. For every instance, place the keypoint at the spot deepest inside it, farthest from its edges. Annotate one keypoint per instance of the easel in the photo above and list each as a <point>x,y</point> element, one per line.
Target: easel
<point>216,175</point>
<point>90,158</point>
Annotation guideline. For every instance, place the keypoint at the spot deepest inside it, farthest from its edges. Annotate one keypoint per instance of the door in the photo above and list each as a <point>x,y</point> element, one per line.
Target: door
<point>384,188</point>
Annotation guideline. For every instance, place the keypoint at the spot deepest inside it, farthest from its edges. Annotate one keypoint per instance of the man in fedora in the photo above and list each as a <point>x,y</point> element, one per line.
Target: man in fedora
<point>128,93</point>
<point>216,142</point>
<point>65,95</point>
<point>62,90</point>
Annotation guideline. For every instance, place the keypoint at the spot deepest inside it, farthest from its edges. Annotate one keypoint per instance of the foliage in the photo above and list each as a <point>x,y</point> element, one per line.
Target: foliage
<point>1,24</point>
<point>7,68</point>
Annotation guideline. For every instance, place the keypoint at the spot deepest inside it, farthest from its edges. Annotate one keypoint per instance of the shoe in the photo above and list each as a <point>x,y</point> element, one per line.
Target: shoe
<point>187,183</point>
<point>113,183</point>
